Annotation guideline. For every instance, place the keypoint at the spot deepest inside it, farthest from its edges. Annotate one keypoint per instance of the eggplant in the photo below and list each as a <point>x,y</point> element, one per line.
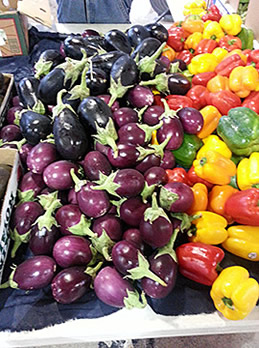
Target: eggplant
<point>155,176</point>
<point>41,156</point>
<point>74,44</point>
<point>106,98</point>
<point>11,132</point>
<point>105,61</point>
<point>30,186</point>
<point>24,152</point>
<point>28,92</point>
<point>158,31</point>
<point>136,34</point>
<point>42,240</point>
<point>70,284</point>
<point>97,81</point>
<point>34,126</point>
<point>132,235</point>
<point>140,96</point>
<point>168,161</point>
<point>147,47</point>
<point>90,33</point>
<point>148,162</point>
<point>176,197</point>
<point>48,60</point>
<point>137,134</point>
<point>124,116</point>
<point>57,175</point>
<point>152,114</point>
<point>11,114</point>
<point>132,210</point>
<point>127,156</point>
<point>95,163</point>
<point>117,40</point>
<point>110,224</point>
<point>191,119</point>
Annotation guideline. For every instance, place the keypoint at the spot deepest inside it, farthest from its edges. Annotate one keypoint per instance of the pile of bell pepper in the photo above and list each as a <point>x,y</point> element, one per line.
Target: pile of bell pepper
<point>221,162</point>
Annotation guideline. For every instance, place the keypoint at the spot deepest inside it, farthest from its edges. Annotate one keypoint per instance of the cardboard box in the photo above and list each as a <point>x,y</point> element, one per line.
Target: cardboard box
<point>13,24</point>
<point>10,157</point>
<point>9,89</point>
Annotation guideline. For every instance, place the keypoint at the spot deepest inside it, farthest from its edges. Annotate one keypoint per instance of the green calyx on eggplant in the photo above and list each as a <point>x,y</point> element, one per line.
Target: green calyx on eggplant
<point>107,136</point>
<point>157,150</point>
<point>149,64</point>
<point>28,94</point>
<point>117,40</point>
<point>168,249</point>
<point>70,137</point>
<point>147,47</point>
<point>47,61</point>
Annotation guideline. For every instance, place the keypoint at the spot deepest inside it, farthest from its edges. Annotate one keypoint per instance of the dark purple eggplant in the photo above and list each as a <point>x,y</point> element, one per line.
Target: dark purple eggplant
<point>24,152</point>
<point>71,197</point>
<point>147,47</point>
<point>90,32</point>
<point>124,116</point>
<point>137,134</point>
<point>140,96</point>
<point>70,284</point>
<point>155,176</point>
<point>176,197</point>
<point>110,224</point>
<point>34,126</point>
<point>103,149</point>
<point>127,156</point>
<point>116,40</point>
<point>97,81</point>
<point>165,268</point>
<point>48,60</point>
<point>12,114</point>
<point>30,186</point>
<point>132,235</point>
<point>158,31</point>
<point>42,240</point>
<point>168,161</point>
<point>152,114</point>
<point>11,132</point>
<point>172,128</point>
<point>132,210</point>
<point>41,156</point>
<point>136,34</point>
<point>106,98</point>
<point>74,44</point>
<point>148,162</point>
<point>191,119</point>
<point>181,64</point>
<point>57,175</point>
<point>105,61</point>
<point>94,163</point>
<point>72,251</point>
<point>28,92</point>
<point>16,101</point>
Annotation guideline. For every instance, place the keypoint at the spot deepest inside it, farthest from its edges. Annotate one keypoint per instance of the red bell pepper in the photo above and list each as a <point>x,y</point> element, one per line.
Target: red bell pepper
<point>186,56</point>
<point>253,57</point>
<point>243,207</point>
<point>157,100</point>
<point>203,78</point>
<point>206,46</point>
<point>224,101</point>
<point>193,179</point>
<point>177,175</point>
<point>199,261</point>
<point>225,67</point>
<point>176,102</point>
<point>252,101</point>
<point>230,43</point>
<point>198,94</point>
<point>212,15</point>
<point>176,38</point>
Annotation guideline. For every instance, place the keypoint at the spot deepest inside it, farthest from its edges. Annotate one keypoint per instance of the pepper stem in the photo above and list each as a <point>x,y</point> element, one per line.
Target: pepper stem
<point>228,302</point>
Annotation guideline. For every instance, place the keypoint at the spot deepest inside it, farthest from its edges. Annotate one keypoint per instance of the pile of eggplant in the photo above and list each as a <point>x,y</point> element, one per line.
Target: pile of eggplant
<point>94,207</point>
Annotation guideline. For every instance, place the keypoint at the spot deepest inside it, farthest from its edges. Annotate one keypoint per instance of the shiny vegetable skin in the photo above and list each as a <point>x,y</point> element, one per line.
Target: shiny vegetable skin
<point>117,40</point>
<point>42,240</point>
<point>33,182</point>
<point>67,216</point>
<point>34,126</point>
<point>110,224</point>
<point>27,90</point>
<point>41,156</point>
<point>57,175</point>
<point>136,34</point>
<point>11,132</point>
<point>132,210</point>
<point>94,163</point>
<point>183,197</point>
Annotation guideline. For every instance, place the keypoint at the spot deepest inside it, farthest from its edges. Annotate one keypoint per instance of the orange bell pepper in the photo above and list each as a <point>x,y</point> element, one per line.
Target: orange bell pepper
<point>218,83</point>
<point>169,52</point>
<point>193,24</point>
<point>211,117</point>
<point>217,199</point>
<point>200,201</point>
<point>243,80</point>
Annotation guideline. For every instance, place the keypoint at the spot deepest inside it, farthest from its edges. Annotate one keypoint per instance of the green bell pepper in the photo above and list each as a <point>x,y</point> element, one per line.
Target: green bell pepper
<point>247,38</point>
<point>240,131</point>
<point>185,155</point>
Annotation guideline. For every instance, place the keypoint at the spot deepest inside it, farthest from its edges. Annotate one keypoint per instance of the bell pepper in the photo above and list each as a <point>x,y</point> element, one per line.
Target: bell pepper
<point>240,131</point>
<point>217,199</point>
<point>247,38</point>
<point>224,101</point>
<point>253,57</point>
<point>252,101</point>
<point>176,38</point>
<point>192,41</point>
<point>238,52</point>
<point>198,95</point>
<point>193,24</point>
<point>195,4</point>
<point>193,179</point>
<point>209,228</point>
<point>206,46</point>
<point>231,23</point>
<point>243,241</point>
<point>186,56</point>
<point>220,53</point>
<point>200,198</point>
<point>214,167</point>
<point>213,14</point>
<point>203,78</point>
<point>203,63</point>
<point>169,53</point>
<point>243,80</point>
<point>211,117</point>
<point>225,67</point>
<point>176,102</point>
<point>218,83</point>
<point>234,294</point>
<point>230,43</point>
<point>213,142</point>
<point>248,172</point>
<point>177,175</point>
<point>186,153</point>
<point>212,30</point>
<point>199,261</point>
<point>243,207</point>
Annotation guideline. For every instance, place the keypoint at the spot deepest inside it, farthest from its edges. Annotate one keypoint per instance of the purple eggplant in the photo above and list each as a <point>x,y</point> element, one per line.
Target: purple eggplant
<point>94,163</point>
<point>28,94</point>
<point>70,284</point>
<point>48,60</point>
<point>57,175</point>
<point>34,273</point>
<point>106,98</point>
<point>136,34</point>
<point>71,198</point>
<point>90,32</point>
<point>152,114</point>
<point>172,129</point>
<point>155,176</point>
<point>16,101</point>
<point>168,161</point>
<point>125,115</point>
<point>181,64</point>
<point>105,61</point>
<point>132,235</point>
<point>41,156</point>
<point>97,81</point>
<point>165,268</point>
<point>72,251</point>
<point>140,96</point>
<point>11,114</point>
<point>42,240</point>
<point>146,47</point>
<point>137,134</point>
<point>103,149</point>
<point>132,210</point>
<point>127,156</point>
<point>11,132</point>
<point>116,40</point>
<point>148,162</point>
<point>158,31</point>
<point>24,152</point>
<point>176,197</point>
<point>110,224</point>
<point>191,119</point>
<point>30,186</point>
<point>74,44</point>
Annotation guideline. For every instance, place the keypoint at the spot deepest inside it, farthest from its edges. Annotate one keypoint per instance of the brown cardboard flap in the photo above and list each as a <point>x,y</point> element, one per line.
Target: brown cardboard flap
<point>39,10</point>
<point>8,5</point>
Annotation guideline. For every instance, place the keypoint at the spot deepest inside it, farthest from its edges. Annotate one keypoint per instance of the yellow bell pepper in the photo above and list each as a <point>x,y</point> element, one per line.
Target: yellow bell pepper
<point>212,30</point>
<point>154,140</point>
<point>239,52</point>
<point>192,41</point>
<point>220,53</point>
<point>243,80</point>
<point>197,7</point>
<point>211,117</point>
<point>210,228</point>
<point>214,168</point>
<point>204,62</point>
<point>194,11</point>
<point>195,3</point>
<point>235,294</point>
<point>213,142</point>
<point>248,172</point>
<point>218,83</point>
<point>243,241</point>
<point>231,23</point>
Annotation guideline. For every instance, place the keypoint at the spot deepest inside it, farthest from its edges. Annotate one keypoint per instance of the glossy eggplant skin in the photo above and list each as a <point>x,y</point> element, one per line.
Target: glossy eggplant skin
<point>125,70</point>
<point>146,48</point>
<point>94,109</point>
<point>97,81</point>
<point>178,84</point>
<point>105,61</point>
<point>158,31</point>
<point>34,126</point>
<point>73,45</point>
<point>28,91</point>
<point>136,34</point>
<point>117,40</point>
<point>53,56</point>
<point>50,85</point>
<point>69,134</point>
